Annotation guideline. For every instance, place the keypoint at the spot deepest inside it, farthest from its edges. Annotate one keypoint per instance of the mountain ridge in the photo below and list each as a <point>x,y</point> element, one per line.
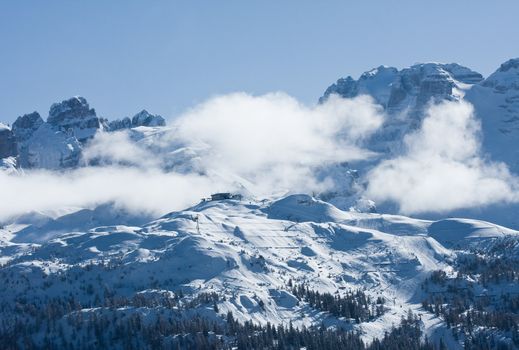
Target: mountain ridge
<point>57,143</point>
<point>324,260</point>
<point>410,90</point>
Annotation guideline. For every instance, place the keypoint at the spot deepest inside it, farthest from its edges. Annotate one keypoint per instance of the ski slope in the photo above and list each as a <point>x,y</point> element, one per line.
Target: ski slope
<point>248,251</point>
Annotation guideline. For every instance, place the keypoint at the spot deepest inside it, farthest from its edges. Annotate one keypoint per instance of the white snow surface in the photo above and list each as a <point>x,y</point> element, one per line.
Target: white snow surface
<point>247,251</point>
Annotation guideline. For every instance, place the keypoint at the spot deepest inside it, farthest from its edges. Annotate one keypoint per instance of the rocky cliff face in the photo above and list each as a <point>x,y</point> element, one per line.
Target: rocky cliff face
<point>23,129</point>
<point>143,118</point>
<point>119,124</point>
<point>7,142</point>
<point>420,84</point>
<point>25,126</point>
<point>410,89</point>
<point>74,117</point>
<point>405,94</point>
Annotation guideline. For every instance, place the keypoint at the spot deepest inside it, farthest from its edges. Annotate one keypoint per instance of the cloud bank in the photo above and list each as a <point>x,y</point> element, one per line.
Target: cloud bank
<point>140,191</point>
<point>442,168</point>
<point>275,142</point>
<point>270,144</point>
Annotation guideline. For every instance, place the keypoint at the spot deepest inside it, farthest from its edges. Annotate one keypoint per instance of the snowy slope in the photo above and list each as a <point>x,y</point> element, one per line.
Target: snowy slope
<point>248,251</point>
<point>496,101</point>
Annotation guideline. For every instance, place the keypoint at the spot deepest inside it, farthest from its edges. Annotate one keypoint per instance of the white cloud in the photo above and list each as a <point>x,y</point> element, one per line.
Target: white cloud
<point>442,168</point>
<point>274,141</point>
<point>150,191</point>
<point>118,148</point>
<point>270,143</point>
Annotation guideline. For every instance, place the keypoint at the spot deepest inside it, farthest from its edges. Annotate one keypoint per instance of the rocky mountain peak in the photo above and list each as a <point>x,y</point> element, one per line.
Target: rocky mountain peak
<point>405,94</point>
<point>73,107</point>
<point>375,82</point>
<point>409,89</point>
<point>58,142</point>
<point>74,115</point>
<point>510,64</point>
<point>119,124</point>
<point>144,118</point>
<point>416,86</point>
<point>24,126</point>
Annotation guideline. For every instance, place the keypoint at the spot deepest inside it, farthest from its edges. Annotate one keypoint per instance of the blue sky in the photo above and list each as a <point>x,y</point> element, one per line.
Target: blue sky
<point>166,56</point>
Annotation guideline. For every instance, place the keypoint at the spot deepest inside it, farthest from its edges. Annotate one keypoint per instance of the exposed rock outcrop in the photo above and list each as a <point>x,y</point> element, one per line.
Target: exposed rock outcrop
<point>143,118</point>
<point>7,142</point>
<point>75,117</point>
<point>405,94</point>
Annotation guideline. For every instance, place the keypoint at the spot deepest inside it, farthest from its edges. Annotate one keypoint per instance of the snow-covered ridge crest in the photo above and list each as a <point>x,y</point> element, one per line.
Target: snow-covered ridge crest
<point>143,118</point>
<point>506,77</point>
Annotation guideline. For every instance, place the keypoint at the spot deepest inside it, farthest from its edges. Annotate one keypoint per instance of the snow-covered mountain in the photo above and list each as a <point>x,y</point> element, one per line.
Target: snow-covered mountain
<point>105,276</point>
<point>410,88</point>
<point>250,254</point>
<point>143,118</point>
<point>74,116</point>
<point>57,143</point>
<point>406,93</point>
<point>496,100</point>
